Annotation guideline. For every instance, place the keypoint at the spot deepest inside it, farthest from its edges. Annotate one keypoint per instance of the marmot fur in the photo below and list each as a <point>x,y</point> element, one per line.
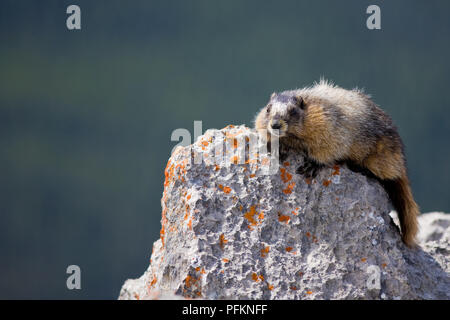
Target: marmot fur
<point>330,124</point>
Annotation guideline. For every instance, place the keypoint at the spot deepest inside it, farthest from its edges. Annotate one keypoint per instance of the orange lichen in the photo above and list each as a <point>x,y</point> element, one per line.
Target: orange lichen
<point>308,180</point>
<point>168,173</point>
<point>250,216</point>
<point>269,286</point>
<point>257,278</point>
<point>384,265</point>
<point>136,296</point>
<point>188,281</point>
<point>188,197</point>
<point>309,292</point>
<point>205,143</point>
<point>283,218</point>
<point>235,159</point>
<point>363,259</point>
<point>153,282</point>
<point>326,183</point>
<point>161,235</point>
<point>308,234</point>
<point>225,260</point>
<point>293,288</point>
<point>286,164</point>
<point>252,175</point>
<point>300,274</point>
<point>220,187</point>
<point>336,170</point>
<point>265,251</point>
<point>181,169</point>
<point>227,189</point>
<point>222,240</point>
<point>235,143</point>
<point>285,176</point>
<point>241,207</point>
<point>217,168</point>
<point>288,249</point>
<point>289,188</point>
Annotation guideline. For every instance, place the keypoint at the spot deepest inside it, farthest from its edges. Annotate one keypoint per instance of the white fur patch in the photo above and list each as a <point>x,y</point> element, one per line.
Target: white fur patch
<point>279,109</point>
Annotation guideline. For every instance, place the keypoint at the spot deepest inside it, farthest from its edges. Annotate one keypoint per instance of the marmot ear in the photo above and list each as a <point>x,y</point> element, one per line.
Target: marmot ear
<point>273,95</point>
<point>299,102</point>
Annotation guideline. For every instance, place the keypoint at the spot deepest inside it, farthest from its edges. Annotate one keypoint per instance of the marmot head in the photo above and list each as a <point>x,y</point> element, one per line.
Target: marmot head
<point>283,115</point>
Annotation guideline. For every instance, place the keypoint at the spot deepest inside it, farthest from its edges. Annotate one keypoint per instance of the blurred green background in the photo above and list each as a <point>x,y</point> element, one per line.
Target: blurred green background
<point>86,116</point>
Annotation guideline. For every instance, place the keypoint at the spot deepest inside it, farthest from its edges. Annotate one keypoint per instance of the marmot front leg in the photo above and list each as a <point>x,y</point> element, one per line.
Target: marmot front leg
<point>310,168</point>
<point>283,152</point>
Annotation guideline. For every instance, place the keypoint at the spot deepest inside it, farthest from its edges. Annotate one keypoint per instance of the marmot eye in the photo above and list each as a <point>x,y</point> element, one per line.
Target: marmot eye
<point>268,108</point>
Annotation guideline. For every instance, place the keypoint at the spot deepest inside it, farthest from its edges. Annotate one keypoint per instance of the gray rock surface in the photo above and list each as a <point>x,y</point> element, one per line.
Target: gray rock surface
<point>434,226</point>
<point>232,231</point>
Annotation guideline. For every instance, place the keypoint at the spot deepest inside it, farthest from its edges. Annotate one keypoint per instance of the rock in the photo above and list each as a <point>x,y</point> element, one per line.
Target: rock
<point>434,236</point>
<point>434,226</point>
<point>234,231</point>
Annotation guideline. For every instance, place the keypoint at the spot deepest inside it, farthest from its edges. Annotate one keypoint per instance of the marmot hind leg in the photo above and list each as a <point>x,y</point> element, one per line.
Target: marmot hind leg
<point>391,170</point>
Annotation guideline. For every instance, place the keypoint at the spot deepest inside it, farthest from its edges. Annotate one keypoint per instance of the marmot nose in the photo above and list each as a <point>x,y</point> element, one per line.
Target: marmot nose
<point>276,125</point>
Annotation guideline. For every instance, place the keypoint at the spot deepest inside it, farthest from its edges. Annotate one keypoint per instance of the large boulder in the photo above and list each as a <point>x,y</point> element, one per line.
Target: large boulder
<point>231,230</point>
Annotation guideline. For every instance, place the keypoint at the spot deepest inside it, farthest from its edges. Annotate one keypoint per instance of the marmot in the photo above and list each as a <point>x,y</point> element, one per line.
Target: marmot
<point>330,124</point>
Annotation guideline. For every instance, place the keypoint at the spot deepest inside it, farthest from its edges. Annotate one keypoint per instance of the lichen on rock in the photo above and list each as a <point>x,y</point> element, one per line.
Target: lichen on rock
<point>232,231</point>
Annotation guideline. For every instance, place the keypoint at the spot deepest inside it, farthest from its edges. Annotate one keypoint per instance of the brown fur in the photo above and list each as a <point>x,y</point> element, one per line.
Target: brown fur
<point>332,124</point>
